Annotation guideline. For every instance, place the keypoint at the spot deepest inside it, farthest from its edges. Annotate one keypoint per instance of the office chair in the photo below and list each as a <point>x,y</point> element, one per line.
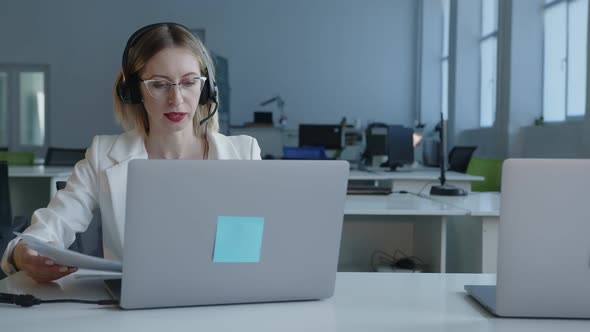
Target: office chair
<point>459,158</point>
<point>89,242</point>
<point>63,157</point>
<point>20,158</point>
<point>490,169</point>
<point>8,225</point>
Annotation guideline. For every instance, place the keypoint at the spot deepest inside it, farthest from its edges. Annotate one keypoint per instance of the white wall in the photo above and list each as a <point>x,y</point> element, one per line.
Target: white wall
<point>327,59</point>
<point>564,140</point>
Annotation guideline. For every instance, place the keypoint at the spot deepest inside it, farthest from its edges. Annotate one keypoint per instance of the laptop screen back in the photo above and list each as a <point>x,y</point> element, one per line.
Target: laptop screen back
<point>544,234</point>
<point>231,231</point>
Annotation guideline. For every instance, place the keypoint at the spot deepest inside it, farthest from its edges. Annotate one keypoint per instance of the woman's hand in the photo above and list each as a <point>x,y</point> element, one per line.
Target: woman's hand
<point>39,268</point>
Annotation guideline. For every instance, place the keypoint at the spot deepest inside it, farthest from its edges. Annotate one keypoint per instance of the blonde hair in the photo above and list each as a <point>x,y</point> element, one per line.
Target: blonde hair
<point>134,116</point>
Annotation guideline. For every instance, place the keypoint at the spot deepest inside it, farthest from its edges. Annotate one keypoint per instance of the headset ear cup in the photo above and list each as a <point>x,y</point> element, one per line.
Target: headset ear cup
<point>122,91</point>
<point>129,92</point>
<point>134,88</point>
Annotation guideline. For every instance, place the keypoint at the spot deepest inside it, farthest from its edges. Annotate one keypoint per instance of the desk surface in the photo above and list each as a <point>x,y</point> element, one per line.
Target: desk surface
<point>362,302</point>
<point>39,171</point>
<point>399,205</point>
<point>418,174</point>
<point>479,204</point>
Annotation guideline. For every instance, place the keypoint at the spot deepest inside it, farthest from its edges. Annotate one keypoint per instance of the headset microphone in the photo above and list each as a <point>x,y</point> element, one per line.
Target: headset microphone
<point>209,116</point>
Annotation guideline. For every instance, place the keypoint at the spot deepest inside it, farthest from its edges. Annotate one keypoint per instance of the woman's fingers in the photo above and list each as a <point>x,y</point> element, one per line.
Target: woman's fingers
<point>31,257</point>
<point>40,268</point>
<point>49,274</point>
<point>48,278</point>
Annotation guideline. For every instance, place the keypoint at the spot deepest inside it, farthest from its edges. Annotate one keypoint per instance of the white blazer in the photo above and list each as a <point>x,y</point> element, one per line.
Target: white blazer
<point>100,180</point>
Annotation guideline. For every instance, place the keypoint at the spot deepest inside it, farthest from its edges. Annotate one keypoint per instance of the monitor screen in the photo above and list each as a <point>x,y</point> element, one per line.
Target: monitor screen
<point>328,136</point>
<point>400,146</point>
<point>263,118</point>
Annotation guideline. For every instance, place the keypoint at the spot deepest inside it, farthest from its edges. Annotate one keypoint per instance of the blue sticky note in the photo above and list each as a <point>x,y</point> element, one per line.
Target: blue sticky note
<point>238,239</point>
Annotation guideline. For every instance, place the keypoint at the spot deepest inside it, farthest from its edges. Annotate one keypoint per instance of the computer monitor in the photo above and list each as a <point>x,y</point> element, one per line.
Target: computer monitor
<point>263,118</point>
<point>400,146</point>
<point>328,136</point>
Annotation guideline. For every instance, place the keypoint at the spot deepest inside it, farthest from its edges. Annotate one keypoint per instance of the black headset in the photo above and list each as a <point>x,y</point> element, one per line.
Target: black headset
<point>128,88</point>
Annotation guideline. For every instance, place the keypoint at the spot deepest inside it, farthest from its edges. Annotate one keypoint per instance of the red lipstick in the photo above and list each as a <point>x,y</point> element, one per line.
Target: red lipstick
<point>175,116</point>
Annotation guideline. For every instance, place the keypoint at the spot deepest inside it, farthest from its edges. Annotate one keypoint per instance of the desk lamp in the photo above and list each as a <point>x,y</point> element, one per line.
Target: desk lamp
<point>281,104</point>
<point>445,189</point>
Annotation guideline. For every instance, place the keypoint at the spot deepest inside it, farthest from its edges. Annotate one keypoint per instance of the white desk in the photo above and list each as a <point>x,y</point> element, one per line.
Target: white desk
<point>429,234</point>
<point>479,204</point>
<point>398,205</point>
<point>27,183</point>
<point>411,181</point>
<point>485,205</point>
<point>31,187</point>
<point>39,171</point>
<point>362,302</point>
<point>414,180</point>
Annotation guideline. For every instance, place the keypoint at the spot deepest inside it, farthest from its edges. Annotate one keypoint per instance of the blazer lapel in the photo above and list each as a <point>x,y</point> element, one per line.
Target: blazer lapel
<point>127,147</point>
<point>220,147</point>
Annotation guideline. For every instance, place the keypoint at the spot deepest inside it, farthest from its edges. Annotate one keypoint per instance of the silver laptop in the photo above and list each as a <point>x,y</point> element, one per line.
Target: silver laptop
<point>544,241</point>
<point>231,231</point>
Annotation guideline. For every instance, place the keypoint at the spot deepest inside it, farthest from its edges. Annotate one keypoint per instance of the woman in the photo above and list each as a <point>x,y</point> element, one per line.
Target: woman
<point>166,97</point>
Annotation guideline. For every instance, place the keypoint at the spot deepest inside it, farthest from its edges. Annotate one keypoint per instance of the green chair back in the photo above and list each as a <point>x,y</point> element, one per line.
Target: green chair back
<point>490,169</point>
<point>17,158</point>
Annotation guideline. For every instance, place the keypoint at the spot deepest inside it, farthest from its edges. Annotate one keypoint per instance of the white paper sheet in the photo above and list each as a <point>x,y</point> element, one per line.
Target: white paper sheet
<point>67,257</point>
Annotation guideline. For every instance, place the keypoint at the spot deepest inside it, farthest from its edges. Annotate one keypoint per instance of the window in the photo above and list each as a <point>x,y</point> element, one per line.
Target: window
<point>3,109</point>
<point>565,59</point>
<point>23,107</point>
<point>446,7</point>
<point>488,52</point>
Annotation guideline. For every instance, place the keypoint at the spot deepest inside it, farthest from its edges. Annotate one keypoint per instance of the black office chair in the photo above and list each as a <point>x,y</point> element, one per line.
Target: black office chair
<point>89,242</point>
<point>459,158</point>
<point>63,157</point>
<point>8,225</point>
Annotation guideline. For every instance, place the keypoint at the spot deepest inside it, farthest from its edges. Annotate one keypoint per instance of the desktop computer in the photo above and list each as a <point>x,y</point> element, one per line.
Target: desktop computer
<point>376,138</point>
<point>375,145</point>
<point>400,146</point>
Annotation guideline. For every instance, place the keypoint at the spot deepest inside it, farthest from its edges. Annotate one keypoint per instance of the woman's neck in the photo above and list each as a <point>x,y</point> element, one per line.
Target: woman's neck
<point>179,145</point>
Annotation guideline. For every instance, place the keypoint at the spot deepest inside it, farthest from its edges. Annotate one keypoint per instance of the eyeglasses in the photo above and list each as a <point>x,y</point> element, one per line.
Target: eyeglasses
<point>189,87</point>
